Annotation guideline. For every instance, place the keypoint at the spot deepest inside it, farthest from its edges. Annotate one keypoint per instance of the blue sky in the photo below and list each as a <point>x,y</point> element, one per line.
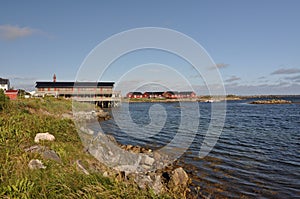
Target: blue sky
<point>255,44</point>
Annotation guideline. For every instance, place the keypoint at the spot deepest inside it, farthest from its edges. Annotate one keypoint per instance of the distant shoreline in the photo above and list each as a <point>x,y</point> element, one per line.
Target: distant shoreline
<point>207,99</point>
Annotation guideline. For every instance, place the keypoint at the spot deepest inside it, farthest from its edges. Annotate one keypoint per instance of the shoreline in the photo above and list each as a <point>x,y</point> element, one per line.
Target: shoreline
<point>179,100</point>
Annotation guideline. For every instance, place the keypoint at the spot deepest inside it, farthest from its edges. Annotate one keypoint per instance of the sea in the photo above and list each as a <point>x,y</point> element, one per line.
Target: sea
<point>256,154</point>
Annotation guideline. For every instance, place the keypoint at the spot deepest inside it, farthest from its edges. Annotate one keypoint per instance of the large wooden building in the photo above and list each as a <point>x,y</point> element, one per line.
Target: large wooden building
<point>101,93</point>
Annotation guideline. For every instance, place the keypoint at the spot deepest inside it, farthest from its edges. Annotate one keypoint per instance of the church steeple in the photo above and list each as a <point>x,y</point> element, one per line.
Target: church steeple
<point>54,78</point>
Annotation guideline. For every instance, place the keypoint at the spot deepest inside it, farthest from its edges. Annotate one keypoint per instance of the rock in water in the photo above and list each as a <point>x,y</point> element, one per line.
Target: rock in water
<point>36,164</point>
<point>43,136</point>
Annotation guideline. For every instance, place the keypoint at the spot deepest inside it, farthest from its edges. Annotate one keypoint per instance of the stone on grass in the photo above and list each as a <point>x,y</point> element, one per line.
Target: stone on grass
<point>52,155</point>
<point>35,148</point>
<point>43,136</point>
<point>36,164</point>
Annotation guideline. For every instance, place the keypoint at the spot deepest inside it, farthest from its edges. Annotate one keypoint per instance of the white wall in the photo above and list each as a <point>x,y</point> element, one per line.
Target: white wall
<point>4,86</point>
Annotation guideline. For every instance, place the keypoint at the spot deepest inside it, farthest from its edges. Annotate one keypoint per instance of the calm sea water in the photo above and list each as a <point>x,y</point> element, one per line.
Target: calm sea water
<point>257,154</point>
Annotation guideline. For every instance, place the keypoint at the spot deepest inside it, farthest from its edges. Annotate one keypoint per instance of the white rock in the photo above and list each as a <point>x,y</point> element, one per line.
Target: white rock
<point>148,160</point>
<point>43,136</point>
<point>86,130</point>
<point>36,164</point>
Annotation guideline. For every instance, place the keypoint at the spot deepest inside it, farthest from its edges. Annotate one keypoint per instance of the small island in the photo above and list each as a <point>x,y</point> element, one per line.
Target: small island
<point>272,101</point>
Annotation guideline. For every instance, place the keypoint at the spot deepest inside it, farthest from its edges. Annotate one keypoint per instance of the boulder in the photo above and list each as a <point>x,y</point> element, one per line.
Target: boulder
<point>178,179</point>
<point>43,136</point>
<point>148,160</point>
<point>51,155</point>
<point>157,185</point>
<point>36,164</point>
<point>143,181</point>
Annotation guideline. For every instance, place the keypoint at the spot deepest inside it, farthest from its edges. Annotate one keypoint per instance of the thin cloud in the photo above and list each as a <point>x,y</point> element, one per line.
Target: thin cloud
<point>232,79</point>
<point>221,65</point>
<point>281,88</point>
<point>9,32</point>
<point>286,71</point>
<point>294,78</point>
<point>218,66</point>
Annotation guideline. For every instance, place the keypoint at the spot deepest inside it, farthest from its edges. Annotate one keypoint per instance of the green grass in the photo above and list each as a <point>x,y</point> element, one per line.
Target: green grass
<point>20,120</point>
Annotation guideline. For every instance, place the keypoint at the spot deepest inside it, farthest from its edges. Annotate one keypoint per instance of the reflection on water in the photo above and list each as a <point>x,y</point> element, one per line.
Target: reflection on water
<point>257,154</point>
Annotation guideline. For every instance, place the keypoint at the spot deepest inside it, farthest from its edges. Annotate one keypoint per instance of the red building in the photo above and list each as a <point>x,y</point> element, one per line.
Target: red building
<point>179,94</point>
<point>153,95</point>
<point>134,95</point>
<point>12,94</point>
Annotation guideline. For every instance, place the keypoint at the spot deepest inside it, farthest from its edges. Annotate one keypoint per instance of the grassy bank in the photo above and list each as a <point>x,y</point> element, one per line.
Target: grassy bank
<point>20,120</point>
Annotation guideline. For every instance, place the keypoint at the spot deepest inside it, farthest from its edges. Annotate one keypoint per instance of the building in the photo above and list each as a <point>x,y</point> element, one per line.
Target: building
<point>134,95</point>
<point>179,94</point>
<point>12,94</point>
<point>153,95</point>
<point>101,93</point>
<point>162,95</point>
<point>4,84</point>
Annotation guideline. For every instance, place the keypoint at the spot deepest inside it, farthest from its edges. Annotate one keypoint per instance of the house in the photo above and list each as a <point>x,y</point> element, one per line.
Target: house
<point>153,95</point>
<point>4,84</point>
<point>99,92</point>
<point>134,95</point>
<point>12,94</point>
<point>179,94</point>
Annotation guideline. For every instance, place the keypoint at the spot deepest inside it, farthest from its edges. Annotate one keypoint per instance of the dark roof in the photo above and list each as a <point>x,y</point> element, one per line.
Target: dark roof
<point>180,92</point>
<point>135,93</point>
<point>154,93</point>
<point>4,81</point>
<point>73,84</point>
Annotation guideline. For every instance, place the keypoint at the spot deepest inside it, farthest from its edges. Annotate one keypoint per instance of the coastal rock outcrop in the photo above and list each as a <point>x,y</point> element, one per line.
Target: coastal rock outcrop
<point>148,169</point>
<point>273,101</point>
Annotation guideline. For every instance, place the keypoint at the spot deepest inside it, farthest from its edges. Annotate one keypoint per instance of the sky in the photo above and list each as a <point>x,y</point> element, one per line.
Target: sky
<point>254,44</point>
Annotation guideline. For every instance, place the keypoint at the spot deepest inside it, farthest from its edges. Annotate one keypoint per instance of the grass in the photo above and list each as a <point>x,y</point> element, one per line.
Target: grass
<point>20,120</point>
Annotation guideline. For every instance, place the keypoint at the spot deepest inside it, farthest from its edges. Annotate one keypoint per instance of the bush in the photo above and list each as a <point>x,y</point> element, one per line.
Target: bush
<point>4,100</point>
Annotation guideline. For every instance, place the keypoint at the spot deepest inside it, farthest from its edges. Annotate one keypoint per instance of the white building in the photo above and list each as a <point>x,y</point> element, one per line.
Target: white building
<point>4,84</point>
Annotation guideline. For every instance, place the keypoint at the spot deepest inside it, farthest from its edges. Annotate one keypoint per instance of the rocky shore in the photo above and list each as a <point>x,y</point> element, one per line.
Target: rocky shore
<point>90,116</point>
<point>128,163</point>
<point>148,169</point>
<point>272,101</point>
